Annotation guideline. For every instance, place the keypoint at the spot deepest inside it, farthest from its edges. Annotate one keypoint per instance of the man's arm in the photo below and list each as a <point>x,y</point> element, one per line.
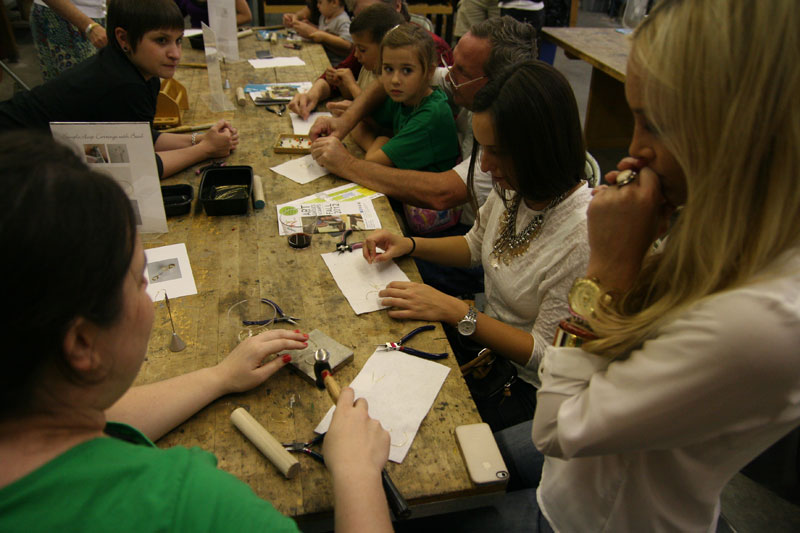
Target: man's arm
<point>432,190</point>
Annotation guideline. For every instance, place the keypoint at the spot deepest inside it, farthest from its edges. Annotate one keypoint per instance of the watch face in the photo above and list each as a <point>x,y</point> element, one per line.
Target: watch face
<point>466,327</point>
<point>584,296</point>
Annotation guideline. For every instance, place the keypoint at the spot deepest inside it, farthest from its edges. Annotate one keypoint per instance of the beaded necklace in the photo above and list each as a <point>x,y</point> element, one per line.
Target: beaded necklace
<point>510,245</point>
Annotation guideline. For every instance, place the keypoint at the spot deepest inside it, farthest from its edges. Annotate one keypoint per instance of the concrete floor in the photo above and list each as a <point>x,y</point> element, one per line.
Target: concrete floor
<point>747,506</point>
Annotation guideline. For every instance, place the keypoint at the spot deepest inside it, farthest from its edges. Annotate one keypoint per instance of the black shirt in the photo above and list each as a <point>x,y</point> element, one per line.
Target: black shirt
<point>107,87</point>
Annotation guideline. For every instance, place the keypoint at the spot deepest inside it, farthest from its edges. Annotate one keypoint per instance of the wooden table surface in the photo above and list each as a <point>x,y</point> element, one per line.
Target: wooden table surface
<point>603,48</point>
<point>237,257</point>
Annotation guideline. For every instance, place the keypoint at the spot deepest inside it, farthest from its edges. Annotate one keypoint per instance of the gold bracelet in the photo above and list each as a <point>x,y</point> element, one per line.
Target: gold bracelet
<point>194,138</point>
<point>570,336</point>
<point>89,28</point>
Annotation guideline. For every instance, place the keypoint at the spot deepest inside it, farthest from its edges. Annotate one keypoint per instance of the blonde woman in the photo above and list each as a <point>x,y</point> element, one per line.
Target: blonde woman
<point>676,368</point>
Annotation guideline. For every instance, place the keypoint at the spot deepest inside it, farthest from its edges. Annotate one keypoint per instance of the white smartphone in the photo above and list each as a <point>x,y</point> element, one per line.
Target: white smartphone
<point>481,454</point>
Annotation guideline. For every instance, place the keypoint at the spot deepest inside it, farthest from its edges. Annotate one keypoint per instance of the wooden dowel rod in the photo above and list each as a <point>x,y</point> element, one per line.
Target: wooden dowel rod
<point>258,193</point>
<point>193,65</point>
<point>266,443</point>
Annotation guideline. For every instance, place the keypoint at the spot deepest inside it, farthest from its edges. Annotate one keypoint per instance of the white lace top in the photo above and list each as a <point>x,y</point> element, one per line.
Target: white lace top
<point>531,292</point>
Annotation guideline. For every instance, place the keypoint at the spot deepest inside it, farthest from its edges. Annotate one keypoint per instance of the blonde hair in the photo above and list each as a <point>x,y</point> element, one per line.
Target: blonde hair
<point>722,88</point>
<point>418,38</point>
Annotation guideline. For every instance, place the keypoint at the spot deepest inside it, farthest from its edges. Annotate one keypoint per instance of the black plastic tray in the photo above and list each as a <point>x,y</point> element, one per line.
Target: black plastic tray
<point>235,175</point>
<point>177,199</point>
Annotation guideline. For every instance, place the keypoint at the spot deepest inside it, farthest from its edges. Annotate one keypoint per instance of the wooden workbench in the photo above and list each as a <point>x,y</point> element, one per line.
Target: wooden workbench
<point>609,122</point>
<point>237,257</point>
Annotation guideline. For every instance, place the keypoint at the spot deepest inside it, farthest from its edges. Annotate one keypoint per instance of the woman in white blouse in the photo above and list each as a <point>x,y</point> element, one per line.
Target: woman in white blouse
<point>530,235</point>
<point>676,368</point>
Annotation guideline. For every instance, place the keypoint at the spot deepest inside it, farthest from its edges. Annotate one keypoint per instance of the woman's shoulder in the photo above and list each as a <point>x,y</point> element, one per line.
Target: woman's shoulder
<point>757,325</point>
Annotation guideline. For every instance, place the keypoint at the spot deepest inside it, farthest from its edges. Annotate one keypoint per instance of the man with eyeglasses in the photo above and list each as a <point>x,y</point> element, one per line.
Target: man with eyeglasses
<point>486,50</point>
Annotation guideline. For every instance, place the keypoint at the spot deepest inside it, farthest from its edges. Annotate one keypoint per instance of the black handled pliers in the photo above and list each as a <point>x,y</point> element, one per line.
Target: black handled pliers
<point>419,353</point>
<point>280,316</point>
<point>342,245</point>
<point>305,447</point>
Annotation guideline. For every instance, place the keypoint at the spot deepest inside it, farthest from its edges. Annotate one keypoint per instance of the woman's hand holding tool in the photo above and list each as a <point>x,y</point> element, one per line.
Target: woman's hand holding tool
<point>624,221</point>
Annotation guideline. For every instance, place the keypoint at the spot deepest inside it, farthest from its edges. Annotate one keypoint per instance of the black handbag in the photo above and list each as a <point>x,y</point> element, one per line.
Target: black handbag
<point>488,376</point>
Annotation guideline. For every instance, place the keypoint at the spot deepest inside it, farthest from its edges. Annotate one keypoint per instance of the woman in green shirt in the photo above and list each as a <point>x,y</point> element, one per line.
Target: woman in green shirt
<point>72,346</point>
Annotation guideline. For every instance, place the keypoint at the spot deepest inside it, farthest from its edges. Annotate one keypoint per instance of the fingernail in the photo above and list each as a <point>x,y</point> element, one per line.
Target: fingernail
<point>305,344</point>
<point>305,335</point>
<point>297,331</point>
<point>287,358</point>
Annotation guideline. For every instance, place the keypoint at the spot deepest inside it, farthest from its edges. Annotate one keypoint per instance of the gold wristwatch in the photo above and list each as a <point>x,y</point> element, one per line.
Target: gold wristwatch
<point>585,295</point>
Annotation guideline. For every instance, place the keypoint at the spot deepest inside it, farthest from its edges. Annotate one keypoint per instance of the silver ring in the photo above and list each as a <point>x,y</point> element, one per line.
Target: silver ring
<point>626,177</point>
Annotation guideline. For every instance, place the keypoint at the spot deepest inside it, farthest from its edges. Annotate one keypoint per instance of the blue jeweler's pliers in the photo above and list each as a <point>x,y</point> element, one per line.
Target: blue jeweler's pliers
<point>281,316</point>
<point>419,353</point>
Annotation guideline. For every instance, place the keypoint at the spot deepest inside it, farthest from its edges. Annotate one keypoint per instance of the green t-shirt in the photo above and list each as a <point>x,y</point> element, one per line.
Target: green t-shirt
<point>125,483</point>
<point>425,136</point>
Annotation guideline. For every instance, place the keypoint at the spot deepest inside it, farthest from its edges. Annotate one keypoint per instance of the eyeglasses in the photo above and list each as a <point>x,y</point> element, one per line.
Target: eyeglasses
<point>449,77</point>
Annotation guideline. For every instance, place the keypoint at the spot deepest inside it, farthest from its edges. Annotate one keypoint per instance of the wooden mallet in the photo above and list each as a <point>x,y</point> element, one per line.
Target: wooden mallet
<point>324,374</point>
<point>322,371</point>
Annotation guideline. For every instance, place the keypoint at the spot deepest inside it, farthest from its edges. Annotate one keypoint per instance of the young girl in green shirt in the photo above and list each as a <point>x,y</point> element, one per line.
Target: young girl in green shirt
<point>414,129</point>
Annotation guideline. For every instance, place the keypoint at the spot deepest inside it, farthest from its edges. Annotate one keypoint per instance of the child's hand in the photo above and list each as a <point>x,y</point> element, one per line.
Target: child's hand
<point>289,19</point>
<point>339,107</point>
<point>303,104</point>
<point>304,29</point>
<point>331,77</point>
<point>391,244</point>
<point>344,76</point>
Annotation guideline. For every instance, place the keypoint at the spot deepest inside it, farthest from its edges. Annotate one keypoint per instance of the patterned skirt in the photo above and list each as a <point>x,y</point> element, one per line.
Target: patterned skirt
<point>60,45</point>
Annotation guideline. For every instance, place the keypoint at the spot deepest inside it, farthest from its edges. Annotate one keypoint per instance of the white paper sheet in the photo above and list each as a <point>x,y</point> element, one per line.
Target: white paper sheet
<point>123,150</point>
<point>361,282</point>
<point>399,390</point>
<point>303,127</point>
<point>277,62</point>
<point>302,170</point>
<point>168,270</point>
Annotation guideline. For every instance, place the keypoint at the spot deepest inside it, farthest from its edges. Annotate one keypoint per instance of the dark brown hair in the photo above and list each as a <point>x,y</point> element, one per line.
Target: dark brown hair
<point>537,126</point>
<point>68,236</point>
<point>138,17</point>
<point>375,20</point>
